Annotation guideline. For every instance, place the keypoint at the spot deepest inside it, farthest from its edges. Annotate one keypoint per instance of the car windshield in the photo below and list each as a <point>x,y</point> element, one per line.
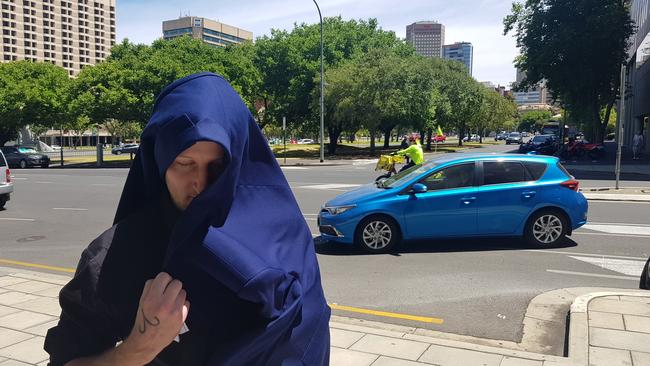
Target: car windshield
<point>540,138</point>
<point>407,175</point>
<point>514,134</point>
<point>26,150</point>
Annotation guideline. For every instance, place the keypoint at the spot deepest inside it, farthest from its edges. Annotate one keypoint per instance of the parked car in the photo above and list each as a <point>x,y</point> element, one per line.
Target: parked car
<point>500,136</point>
<point>6,185</point>
<point>473,137</point>
<point>524,134</point>
<point>125,149</point>
<point>541,144</point>
<point>56,147</point>
<point>306,141</point>
<point>25,157</point>
<point>439,138</point>
<point>513,138</point>
<point>460,195</point>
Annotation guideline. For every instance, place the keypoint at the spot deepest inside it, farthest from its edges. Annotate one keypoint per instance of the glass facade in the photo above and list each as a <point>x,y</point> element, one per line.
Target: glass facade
<point>463,52</point>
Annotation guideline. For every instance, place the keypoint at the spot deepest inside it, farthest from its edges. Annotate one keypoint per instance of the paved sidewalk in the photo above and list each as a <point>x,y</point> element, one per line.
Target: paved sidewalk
<point>607,328</point>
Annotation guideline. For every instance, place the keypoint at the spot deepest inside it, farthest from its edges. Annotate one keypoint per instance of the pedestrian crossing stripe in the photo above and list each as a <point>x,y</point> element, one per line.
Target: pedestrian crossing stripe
<point>330,186</point>
<point>623,266</point>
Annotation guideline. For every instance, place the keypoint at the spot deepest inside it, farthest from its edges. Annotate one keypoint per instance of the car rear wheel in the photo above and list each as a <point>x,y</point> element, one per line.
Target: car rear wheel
<point>23,164</point>
<point>118,152</point>
<point>377,234</point>
<point>545,229</point>
<point>3,201</point>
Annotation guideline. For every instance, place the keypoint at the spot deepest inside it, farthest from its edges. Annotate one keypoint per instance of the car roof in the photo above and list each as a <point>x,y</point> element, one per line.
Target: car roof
<point>467,157</point>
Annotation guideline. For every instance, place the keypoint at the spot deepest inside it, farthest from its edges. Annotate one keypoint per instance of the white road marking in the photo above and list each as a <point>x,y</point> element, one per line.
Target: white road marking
<point>364,161</point>
<point>332,186</point>
<point>619,229</point>
<point>543,251</point>
<point>104,184</point>
<point>40,182</point>
<point>624,266</point>
<point>14,178</point>
<point>617,223</point>
<point>311,218</point>
<point>70,209</point>
<point>293,168</point>
<point>593,275</point>
<point>610,235</point>
<point>14,219</point>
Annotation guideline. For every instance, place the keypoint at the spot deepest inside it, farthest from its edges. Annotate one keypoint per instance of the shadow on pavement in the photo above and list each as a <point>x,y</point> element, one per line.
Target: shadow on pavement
<point>325,247</point>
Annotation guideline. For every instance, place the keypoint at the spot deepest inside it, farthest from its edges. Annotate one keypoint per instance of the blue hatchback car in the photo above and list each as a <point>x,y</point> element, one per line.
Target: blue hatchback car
<point>460,195</point>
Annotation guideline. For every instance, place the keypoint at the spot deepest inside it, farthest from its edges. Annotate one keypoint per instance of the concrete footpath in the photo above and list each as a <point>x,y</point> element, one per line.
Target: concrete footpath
<point>608,327</point>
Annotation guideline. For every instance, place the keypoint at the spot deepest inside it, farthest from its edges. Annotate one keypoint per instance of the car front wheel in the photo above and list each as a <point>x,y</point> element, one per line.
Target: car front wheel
<point>546,229</point>
<point>377,234</point>
<point>23,164</point>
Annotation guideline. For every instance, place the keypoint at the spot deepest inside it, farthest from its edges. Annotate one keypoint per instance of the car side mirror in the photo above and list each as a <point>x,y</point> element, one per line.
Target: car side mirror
<point>418,188</point>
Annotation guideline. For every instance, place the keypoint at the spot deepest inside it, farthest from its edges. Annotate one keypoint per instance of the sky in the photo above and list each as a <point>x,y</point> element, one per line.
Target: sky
<point>477,21</point>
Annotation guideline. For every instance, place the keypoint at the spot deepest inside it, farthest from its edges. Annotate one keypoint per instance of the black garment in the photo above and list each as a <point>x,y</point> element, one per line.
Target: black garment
<point>99,304</point>
<point>410,164</point>
<point>644,284</point>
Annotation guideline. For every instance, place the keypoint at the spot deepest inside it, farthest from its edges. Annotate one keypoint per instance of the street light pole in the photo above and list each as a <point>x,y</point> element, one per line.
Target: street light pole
<point>322,90</point>
<point>620,126</point>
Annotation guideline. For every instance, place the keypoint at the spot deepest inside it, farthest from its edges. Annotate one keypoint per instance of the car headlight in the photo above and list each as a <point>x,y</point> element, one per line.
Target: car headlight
<point>336,210</point>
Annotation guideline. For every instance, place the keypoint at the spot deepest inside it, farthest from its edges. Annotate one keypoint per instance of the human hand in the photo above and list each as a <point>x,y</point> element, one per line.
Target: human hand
<point>161,314</point>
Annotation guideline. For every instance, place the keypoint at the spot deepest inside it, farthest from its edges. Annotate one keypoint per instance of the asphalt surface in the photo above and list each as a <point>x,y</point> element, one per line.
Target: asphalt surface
<point>478,287</point>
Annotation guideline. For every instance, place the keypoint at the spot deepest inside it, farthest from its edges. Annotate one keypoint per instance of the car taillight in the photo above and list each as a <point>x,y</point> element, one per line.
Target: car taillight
<point>572,184</point>
<point>8,176</point>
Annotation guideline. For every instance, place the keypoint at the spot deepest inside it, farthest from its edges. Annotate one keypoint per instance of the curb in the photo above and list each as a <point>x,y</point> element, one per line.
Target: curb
<point>579,323</point>
<point>616,197</point>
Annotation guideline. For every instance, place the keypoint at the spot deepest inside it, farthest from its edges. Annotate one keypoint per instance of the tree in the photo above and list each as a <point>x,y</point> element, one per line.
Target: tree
<point>30,93</point>
<point>290,63</point>
<point>577,47</point>
<point>533,120</point>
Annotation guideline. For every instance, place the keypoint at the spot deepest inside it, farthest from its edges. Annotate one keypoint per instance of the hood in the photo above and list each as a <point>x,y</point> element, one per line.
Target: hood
<point>358,195</point>
<point>245,230</point>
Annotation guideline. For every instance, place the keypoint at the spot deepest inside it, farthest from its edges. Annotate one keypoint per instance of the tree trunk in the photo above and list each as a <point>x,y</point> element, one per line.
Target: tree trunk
<point>605,122</point>
<point>372,142</point>
<point>334,134</point>
<point>387,139</point>
<point>429,133</point>
<point>461,134</point>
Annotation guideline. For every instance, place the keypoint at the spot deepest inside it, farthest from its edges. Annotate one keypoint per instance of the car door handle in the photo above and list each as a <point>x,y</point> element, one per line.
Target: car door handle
<point>468,200</point>
<point>529,194</point>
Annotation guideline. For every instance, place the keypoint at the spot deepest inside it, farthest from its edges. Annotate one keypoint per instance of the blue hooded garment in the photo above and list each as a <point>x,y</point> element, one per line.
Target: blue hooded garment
<point>245,230</point>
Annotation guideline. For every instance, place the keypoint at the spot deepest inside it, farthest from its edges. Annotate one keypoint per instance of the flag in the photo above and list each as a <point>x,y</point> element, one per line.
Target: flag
<point>440,131</point>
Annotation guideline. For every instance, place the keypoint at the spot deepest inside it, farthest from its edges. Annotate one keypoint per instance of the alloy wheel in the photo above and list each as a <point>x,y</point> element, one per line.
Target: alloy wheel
<point>377,235</point>
<point>547,229</point>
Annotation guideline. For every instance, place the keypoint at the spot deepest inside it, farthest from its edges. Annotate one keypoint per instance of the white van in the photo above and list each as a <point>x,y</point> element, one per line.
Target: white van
<point>6,185</point>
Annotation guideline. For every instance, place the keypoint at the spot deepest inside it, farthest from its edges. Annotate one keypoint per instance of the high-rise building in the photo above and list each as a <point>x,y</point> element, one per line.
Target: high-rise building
<point>427,38</point>
<point>66,33</point>
<point>535,97</point>
<point>460,51</point>
<point>209,31</point>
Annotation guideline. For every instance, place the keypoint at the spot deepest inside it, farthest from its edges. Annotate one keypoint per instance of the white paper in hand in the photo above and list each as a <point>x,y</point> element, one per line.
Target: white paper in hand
<point>184,329</point>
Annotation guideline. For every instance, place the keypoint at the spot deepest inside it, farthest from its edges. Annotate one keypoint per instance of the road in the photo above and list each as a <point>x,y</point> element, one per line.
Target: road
<point>478,287</point>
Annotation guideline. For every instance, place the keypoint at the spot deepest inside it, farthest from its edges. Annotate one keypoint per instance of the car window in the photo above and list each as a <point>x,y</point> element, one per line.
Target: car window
<point>2,160</point>
<point>514,134</point>
<point>408,174</point>
<point>498,172</point>
<point>535,169</point>
<point>453,177</point>
<point>26,150</point>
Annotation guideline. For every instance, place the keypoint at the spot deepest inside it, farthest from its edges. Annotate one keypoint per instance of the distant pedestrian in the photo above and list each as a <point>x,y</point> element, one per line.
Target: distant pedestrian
<point>404,145</point>
<point>637,145</point>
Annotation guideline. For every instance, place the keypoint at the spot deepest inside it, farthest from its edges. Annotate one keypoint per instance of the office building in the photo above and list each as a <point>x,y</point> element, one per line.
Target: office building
<point>209,31</point>
<point>71,34</point>
<point>460,51</point>
<point>427,38</point>
<point>637,78</point>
